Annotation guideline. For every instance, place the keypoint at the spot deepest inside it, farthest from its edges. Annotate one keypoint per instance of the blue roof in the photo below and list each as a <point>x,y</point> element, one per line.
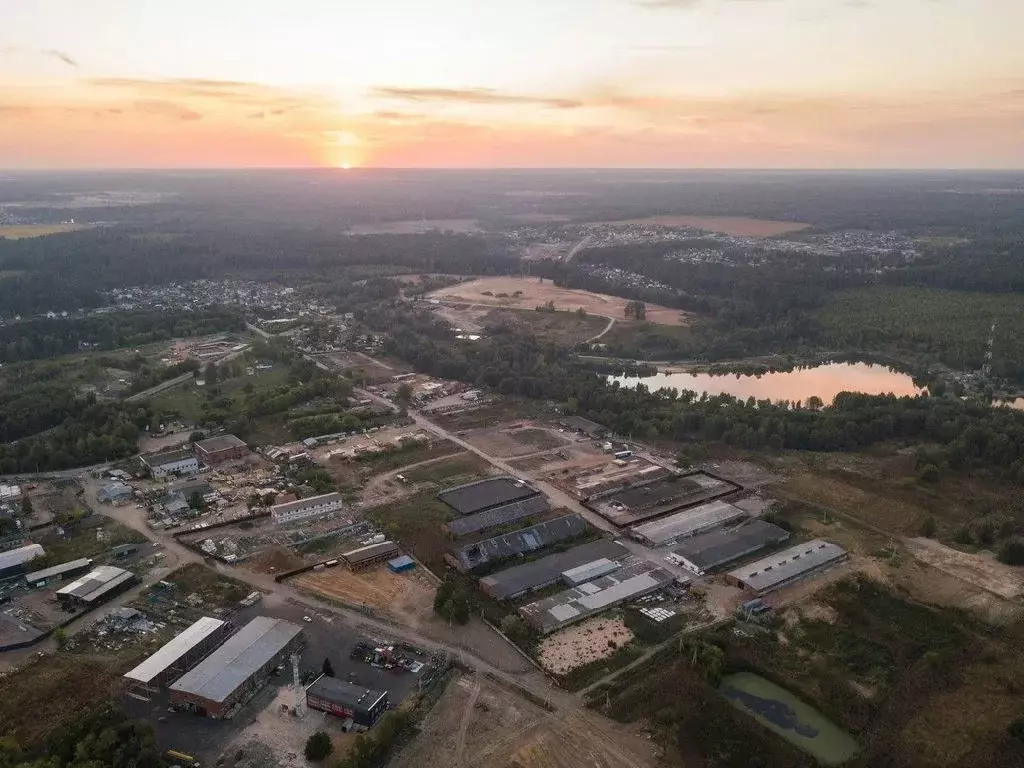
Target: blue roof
<point>401,562</point>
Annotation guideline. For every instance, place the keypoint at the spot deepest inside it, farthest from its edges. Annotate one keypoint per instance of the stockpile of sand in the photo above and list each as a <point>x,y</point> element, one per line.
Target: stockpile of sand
<point>583,643</point>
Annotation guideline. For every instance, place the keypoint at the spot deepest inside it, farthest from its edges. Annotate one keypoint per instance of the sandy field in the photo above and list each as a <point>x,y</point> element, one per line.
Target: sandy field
<point>988,574</point>
<point>408,596</point>
<point>505,443</point>
<point>583,643</point>
<point>535,293</point>
<point>726,225</point>
<point>20,231</point>
<point>416,227</point>
<point>476,723</point>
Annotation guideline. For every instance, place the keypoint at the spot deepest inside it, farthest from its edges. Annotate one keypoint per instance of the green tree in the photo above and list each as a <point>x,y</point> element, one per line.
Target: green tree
<point>404,393</point>
<point>327,668</point>
<point>928,527</point>
<point>196,501</point>
<point>26,506</point>
<point>60,636</point>
<point>1012,552</point>
<point>318,746</point>
<point>210,375</point>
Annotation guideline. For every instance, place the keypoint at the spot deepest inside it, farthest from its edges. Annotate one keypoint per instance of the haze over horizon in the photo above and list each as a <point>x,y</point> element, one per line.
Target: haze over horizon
<point>746,84</point>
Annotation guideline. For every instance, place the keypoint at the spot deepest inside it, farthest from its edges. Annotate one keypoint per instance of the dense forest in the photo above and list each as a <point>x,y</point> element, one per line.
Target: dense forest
<point>965,434</point>
<point>42,337</point>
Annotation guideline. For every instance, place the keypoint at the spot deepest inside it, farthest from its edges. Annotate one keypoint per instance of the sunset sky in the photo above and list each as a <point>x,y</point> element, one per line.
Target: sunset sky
<point>503,83</point>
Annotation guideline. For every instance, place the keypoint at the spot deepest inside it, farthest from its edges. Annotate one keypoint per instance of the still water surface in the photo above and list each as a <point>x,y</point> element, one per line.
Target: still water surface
<point>794,720</point>
<point>825,381</point>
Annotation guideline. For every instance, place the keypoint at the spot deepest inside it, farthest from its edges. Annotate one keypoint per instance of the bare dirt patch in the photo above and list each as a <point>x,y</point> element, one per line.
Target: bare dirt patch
<point>581,644</point>
<point>739,226</point>
<point>533,293</point>
<point>22,231</point>
<point>988,574</point>
<point>506,442</point>
<point>408,596</point>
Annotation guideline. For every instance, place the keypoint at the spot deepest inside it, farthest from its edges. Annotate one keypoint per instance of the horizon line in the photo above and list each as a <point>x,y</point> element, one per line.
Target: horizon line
<point>513,168</point>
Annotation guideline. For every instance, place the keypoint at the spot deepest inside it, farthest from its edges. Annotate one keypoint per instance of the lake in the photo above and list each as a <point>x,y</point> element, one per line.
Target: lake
<point>825,381</point>
<point>784,714</point>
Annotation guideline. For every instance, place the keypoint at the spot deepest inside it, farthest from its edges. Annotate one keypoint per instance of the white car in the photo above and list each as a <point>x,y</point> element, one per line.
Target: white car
<point>307,619</point>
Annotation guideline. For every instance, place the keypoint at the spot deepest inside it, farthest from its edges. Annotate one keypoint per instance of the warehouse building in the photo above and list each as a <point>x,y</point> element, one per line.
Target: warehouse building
<point>56,573</point>
<point>306,509</point>
<point>584,426</point>
<point>627,583</point>
<point>543,572</point>
<point>362,706</point>
<point>709,551</point>
<point>15,562</point>
<point>179,655</point>
<point>788,566</point>
<point>649,500</point>
<point>492,493</point>
<point>690,522</point>
<point>229,676</point>
<point>370,555</point>
<point>96,587</point>
<point>516,543</point>
<point>114,493</point>
<point>177,462</point>
<point>217,450</point>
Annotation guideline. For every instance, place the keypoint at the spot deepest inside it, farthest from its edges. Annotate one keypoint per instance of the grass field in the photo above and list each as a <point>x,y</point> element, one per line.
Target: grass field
<point>416,523</point>
<point>558,327</point>
<point>462,465</point>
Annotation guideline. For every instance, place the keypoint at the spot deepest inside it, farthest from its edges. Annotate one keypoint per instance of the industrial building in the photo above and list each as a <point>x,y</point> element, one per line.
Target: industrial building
<point>9,493</point>
<point>537,574</point>
<point>370,555</point>
<point>55,573</point>
<point>177,462</point>
<point>653,499</point>
<point>401,564</point>
<point>584,426</point>
<point>230,675</point>
<point>179,655</point>
<point>690,522</point>
<point>788,566</point>
<point>709,551</point>
<point>114,493</point>
<point>217,450</point>
<point>357,703</point>
<point>626,583</point>
<point>306,509</point>
<point>486,494</point>
<point>516,543</point>
<point>15,562</point>
<point>95,587</point>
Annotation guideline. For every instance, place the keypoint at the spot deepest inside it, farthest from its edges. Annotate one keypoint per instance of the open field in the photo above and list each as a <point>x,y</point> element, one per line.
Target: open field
<point>533,293</point>
<point>444,469</point>
<point>558,327</point>
<point>477,723</point>
<point>506,442</point>
<point>415,227</point>
<point>21,231</point>
<point>407,596</point>
<point>415,522</point>
<point>594,639</point>
<point>740,226</point>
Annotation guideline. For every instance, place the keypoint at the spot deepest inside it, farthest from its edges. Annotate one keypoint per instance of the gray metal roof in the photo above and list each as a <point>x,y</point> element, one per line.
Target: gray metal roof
<point>219,443</point>
<point>57,570</point>
<point>175,649</point>
<point>167,457</point>
<point>222,672</point>
<point>548,570</point>
<point>521,542</point>
<point>15,557</point>
<point>773,571</point>
<point>355,697</point>
<point>689,522</point>
<point>632,580</point>
<point>312,501</point>
<point>492,518</point>
<point>716,548</point>
<point>484,494</point>
<point>369,552</point>
<point>97,583</point>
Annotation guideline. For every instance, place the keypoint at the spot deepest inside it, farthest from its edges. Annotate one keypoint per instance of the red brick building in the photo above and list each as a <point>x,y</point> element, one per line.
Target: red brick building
<point>217,450</point>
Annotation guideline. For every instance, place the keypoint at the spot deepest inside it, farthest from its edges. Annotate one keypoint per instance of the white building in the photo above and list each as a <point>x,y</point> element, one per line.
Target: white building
<point>305,509</point>
<point>178,462</point>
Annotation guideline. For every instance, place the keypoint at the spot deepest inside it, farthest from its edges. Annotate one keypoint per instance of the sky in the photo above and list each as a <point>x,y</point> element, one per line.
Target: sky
<point>512,83</point>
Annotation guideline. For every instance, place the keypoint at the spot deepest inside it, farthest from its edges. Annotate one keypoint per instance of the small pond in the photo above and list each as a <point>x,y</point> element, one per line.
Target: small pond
<point>825,381</point>
<point>783,713</point>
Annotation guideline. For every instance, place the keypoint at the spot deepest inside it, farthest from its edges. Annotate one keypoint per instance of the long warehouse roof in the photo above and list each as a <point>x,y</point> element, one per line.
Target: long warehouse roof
<point>549,569</point>
<point>96,582</point>
<point>57,570</point>
<point>223,671</point>
<point>177,647</point>
<point>689,522</point>
<point>20,556</point>
<point>484,494</point>
<point>779,568</point>
<point>515,543</point>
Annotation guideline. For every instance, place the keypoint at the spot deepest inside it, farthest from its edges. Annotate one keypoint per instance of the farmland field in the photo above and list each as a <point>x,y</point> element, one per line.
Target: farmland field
<point>21,231</point>
<point>529,293</point>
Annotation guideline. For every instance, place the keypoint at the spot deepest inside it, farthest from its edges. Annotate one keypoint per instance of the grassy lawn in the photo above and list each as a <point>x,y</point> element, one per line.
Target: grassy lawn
<point>558,327</point>
<point>84,543</point>
<point>417,523</point>
<point>462,465</point>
